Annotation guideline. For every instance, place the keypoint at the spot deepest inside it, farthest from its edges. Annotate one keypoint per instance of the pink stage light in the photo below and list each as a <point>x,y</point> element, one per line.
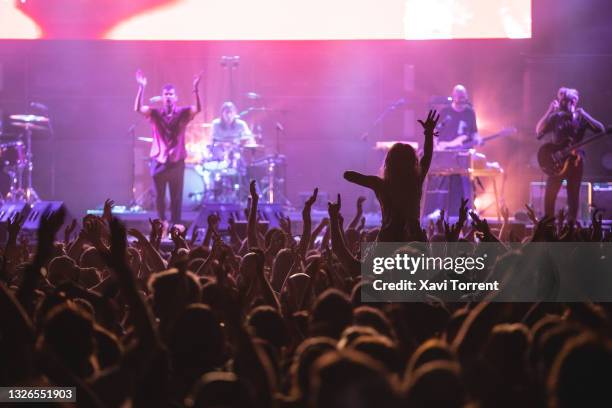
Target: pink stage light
<point>265,19</point>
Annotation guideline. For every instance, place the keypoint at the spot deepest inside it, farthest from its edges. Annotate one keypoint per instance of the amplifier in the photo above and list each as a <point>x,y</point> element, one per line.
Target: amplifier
<point>536,199</point>
<point>602,198</point>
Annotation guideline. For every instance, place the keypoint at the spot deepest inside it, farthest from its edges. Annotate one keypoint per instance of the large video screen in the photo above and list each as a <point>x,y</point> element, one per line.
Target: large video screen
<point>264,19</point>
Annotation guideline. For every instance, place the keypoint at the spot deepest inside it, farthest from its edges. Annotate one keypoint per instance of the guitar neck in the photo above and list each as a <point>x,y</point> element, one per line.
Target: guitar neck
<point>589,140</point>
<point>495,136</point>
<point>506,132</point>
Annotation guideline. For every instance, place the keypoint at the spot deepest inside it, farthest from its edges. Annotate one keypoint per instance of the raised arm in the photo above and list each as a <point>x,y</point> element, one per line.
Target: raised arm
<point>541,126</point>
<point>429,130</point>
<point>370,182</point>
<point>593,123</point>
<point>359,214</point>
<point>197,107</point>
<point>138,104</point>
<point>351,264</point>
<point>307,224</point>
<point>50,223</point>
<point>151,257</point>
<point>252,240</point>
<point>10,251</point>
<point>315,233</point>
<point>141,315</point>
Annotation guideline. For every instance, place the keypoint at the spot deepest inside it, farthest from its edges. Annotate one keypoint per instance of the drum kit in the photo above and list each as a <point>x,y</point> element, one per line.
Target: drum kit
<point>219,172</point>
<point>16,158</point>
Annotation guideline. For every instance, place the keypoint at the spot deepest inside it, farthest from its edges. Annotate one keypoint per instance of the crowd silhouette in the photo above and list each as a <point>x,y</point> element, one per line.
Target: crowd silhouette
<point>268,320</point>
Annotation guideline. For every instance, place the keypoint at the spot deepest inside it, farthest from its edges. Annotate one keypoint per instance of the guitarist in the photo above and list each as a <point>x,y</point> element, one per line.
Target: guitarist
<point>457,128</point>
<point>568,124</point>
<point>457,131</point>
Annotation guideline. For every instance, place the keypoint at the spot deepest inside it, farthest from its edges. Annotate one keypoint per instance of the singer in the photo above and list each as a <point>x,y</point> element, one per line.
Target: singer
<point>168,150</point>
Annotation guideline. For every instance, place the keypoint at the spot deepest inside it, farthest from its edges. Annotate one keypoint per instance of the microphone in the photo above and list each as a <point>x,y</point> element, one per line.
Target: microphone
<point>39,106</point>
<point>155,99</point>
<point>279,127</point>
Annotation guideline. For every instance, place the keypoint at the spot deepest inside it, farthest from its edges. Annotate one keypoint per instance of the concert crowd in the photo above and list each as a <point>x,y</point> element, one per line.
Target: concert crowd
<point>268,319</point>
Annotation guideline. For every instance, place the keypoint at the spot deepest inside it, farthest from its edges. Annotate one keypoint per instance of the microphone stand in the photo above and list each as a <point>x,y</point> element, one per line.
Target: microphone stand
<point>132,134</point>
<point>381,117</point>
<point>52,137</point>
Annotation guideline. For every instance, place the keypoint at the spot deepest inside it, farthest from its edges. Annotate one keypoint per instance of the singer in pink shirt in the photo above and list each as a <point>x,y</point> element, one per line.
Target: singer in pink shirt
<point>168,151</point>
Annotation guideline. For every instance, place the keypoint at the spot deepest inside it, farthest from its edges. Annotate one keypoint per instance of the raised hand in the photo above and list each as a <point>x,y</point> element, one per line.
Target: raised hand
<point>69,230</point>
<point>361,225</point>
<point>463,212</point>
<point>157,231</point>
<point>544,230</point>
<point>531,214</point>
<point>285,224</point>
<point>133,232</point>
<point>50,223</point>
<point>253,190</point>
<point>429,126</point>
<point>334,208</point>
<point>196,81</point>
<point>505,213</point>
<point>360,202</point>
<point>309,203</point>
<point>213,221</point>
<point>177,237</point>
<point>554,106</point>
<point>141,79</point>
<point>312,199</point>
<point>92,230</point>
<point>107,213</point>
<point>355,221</point>
<point>194,237</point>
<point>452,232</point>
<point>482,226</point>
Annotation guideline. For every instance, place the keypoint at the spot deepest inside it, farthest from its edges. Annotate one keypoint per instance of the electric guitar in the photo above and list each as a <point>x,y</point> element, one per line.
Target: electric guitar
<point>555,159</point>
<point>459,143</point>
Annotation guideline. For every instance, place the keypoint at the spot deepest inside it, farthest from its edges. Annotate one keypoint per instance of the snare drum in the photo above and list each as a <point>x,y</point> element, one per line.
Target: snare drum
<point>12,154</point>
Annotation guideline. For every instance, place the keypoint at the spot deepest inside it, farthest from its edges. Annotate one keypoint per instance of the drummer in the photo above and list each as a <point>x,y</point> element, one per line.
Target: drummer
<point>230,129</point>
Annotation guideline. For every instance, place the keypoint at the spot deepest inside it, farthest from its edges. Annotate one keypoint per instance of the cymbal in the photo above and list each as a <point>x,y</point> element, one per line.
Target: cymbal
<point>206,125</point>
<point>28,125</point>
<point>253,146</point>
<point>30,118</point>
<point>145,139</point>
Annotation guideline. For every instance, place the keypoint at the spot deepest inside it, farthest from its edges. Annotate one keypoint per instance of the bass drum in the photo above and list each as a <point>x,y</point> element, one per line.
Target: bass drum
<point>193,186</point>
<point>12,154</point>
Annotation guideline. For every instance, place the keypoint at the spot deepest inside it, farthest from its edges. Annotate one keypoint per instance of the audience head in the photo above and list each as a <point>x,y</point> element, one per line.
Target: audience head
<point>581,373</point>
<point>401,162</point>
<point>350,378</point>
<point>331,314</point>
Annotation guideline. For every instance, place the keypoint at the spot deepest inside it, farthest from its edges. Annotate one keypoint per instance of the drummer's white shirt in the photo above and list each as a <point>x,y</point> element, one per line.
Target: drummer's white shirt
<point>232,133</point>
